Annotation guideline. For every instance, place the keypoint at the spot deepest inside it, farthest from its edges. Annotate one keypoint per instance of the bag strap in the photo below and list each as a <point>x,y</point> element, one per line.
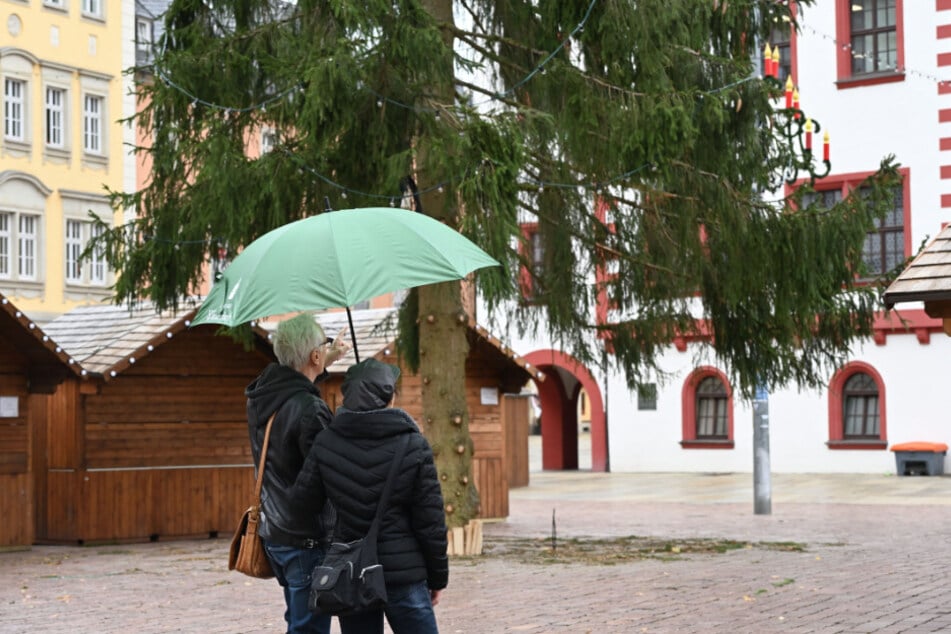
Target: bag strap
<point>384,497</point>
<point>260,481</point>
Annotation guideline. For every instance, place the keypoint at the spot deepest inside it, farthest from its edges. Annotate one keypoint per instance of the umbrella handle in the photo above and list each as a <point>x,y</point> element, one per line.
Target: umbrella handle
<point>353,335</point>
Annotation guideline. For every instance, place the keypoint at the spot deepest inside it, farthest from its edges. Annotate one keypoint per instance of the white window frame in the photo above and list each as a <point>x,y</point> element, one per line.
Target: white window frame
<point>93,129</point>
<point>55,122</point>
<point>74,247</point>
<point>7,219</point>
<point>144,30</point>
<point>92,8</point>
<point>28,243</point>
<point>55,4</point>
<point>92,271</point>
<point>90,276</point>
<point>14,109</point>
<point>98,268</point>
<point>268,139</point>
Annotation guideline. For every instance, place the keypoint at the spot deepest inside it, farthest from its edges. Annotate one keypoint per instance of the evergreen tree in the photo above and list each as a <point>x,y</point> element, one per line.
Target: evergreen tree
<point>501,112</point>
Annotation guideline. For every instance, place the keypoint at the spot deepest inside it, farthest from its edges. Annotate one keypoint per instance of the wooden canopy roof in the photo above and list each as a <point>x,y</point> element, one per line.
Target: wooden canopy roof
<point>49,361</point>
<point>927,279</point>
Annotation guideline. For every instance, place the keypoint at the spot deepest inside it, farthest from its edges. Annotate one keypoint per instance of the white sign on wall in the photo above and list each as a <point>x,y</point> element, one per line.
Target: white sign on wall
<point>490,396</point>
<point>9,407</point>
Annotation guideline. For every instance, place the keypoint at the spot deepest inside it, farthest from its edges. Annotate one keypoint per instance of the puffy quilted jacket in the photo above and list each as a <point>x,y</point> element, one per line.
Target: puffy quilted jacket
<point>348,465</point>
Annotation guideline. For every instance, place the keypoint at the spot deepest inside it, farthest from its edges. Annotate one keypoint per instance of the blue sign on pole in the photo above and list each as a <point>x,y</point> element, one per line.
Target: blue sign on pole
<point>761,394</point>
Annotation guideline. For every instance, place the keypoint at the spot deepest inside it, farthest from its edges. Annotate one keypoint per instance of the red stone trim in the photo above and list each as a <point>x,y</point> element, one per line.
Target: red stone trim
<point>688,410</point>
<point>836,440</point>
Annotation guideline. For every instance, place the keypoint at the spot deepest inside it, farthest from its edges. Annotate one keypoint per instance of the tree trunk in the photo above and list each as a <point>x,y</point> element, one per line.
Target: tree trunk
<point>443,346</point>
<point>443,349</point>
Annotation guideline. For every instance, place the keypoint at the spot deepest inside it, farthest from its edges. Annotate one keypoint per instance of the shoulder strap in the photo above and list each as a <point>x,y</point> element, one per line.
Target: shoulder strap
<point>260,480</point>
<point>385,496</point>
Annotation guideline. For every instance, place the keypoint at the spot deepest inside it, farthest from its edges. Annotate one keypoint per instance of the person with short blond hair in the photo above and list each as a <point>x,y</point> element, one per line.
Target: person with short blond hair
<point>295,537</point>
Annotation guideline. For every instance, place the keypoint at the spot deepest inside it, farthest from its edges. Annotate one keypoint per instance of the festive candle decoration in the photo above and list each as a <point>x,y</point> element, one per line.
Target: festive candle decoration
<point>767,61</point>
<point>776,61</point>
<point>789,90</point>
<point>825,146</point>
<point>795,101</point>
<point>808,134</point>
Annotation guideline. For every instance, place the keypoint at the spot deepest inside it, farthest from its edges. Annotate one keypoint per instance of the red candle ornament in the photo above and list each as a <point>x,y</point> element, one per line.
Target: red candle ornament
<point>795,101</point>
<point>767,62</point>
<point>789,89</point>
<point>808,135</point>
<point>825,146</point>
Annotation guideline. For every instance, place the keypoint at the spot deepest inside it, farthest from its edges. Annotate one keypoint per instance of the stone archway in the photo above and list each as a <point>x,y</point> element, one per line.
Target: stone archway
<point>558,393</point>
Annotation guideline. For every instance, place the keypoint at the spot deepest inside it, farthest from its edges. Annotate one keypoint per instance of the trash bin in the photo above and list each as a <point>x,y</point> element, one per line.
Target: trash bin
<point>920,458</point>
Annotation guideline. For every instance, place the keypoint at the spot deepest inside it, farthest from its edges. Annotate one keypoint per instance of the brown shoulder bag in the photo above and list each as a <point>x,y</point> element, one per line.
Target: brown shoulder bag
<point>247,548</point>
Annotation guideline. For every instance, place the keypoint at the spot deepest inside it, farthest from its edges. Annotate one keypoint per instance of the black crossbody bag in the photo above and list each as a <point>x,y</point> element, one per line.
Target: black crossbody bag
<point>350,580</point>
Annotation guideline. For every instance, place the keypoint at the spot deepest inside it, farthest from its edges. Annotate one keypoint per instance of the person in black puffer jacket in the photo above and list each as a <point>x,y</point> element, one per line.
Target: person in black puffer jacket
<point>295,537</point>
<point>348,466</point>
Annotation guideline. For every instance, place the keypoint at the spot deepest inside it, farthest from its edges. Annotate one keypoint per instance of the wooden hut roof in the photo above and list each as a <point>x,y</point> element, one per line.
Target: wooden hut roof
<point>107,339</point>
<point>50,362</point>
<point>376,331</point>
<point>928,277</point>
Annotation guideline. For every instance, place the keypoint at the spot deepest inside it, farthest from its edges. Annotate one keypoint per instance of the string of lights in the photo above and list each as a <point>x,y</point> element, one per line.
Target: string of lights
<point>883,63</point>
<point>381,99</point>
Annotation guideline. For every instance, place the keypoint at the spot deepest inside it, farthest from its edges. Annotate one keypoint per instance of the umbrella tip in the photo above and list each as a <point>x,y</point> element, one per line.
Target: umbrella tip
<point>327,203</point>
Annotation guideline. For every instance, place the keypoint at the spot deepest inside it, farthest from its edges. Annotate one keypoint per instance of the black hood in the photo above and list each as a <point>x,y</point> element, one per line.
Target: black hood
<point>273,387</point>
<point>369,385</point>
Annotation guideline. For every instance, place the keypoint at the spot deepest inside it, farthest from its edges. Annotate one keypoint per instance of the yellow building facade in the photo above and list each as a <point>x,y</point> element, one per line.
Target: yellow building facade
<point>63,91</point>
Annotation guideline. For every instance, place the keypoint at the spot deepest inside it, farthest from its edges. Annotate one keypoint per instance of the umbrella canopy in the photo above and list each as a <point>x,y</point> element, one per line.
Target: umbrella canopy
<point>336,259</point>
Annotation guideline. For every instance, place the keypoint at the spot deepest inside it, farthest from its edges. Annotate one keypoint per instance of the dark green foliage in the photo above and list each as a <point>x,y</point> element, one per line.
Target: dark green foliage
<point>650,108</point>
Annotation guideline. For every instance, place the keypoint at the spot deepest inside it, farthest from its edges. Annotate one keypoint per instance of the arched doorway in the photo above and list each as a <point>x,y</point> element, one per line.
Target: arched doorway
<point>558,395</point>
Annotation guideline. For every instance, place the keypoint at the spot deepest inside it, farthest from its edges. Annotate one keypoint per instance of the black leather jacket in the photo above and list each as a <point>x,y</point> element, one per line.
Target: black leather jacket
<point>301,415</point>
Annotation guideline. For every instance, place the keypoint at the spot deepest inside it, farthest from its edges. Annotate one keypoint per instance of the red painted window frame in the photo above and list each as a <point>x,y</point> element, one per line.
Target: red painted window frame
<point>688,399</point>
<point>525,283</point>
<point>849,181</point>
<point>793,44</point>
<point>843,38</point>
<point>836,430</point>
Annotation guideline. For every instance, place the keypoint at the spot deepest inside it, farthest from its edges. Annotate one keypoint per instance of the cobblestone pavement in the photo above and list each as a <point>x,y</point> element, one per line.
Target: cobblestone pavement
<point>876,559</point>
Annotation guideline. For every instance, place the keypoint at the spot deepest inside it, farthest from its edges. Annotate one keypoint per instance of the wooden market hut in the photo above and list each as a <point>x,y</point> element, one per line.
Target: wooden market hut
<point>151,440</point>
<point>498,414</point>
<point>927,279</point>
<point>31,367</point>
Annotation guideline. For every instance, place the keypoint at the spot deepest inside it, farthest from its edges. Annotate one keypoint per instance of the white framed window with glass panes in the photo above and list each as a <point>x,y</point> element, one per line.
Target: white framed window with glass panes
<point>55,134</point>
<point>93,128</point>
<point>89,271</point>
<point>14,109</point>
<point>19,246</point>
<point>92,8</point>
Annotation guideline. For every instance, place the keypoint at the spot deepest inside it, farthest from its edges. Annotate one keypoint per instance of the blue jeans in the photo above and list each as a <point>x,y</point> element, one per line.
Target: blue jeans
<point>293,568</point>
<point>409,610</point>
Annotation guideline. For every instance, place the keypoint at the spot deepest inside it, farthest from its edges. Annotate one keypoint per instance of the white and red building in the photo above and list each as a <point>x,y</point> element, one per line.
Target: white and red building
<point>877,74</point>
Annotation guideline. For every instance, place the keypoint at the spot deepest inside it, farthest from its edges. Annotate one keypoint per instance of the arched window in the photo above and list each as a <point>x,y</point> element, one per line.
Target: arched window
<point>860,407</point>
<point>707,410</point>
<point>711,409</point>
<point>857,408</point>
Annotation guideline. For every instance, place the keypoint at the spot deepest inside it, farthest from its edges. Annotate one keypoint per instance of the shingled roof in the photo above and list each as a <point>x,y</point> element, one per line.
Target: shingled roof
<point>928,277</point>
<point>106,339</point>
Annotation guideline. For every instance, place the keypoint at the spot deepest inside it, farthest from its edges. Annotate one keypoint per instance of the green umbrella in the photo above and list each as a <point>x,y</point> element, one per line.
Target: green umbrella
<point>337,259</point>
